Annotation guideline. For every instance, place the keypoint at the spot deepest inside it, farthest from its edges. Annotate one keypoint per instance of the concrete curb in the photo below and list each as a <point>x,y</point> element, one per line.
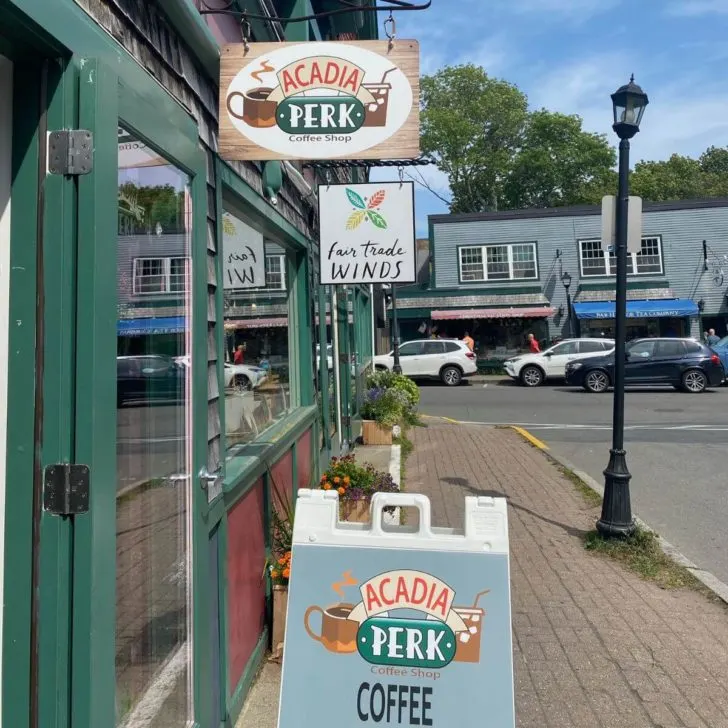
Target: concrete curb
<point>704,577</point>
<point>395,463</point>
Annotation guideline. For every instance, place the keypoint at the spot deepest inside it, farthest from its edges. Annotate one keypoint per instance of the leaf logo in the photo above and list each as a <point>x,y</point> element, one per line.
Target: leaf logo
<point>366,211</point>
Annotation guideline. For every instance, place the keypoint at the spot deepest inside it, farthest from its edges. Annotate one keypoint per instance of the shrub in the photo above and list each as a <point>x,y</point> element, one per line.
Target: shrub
<point>355,482</point>
<point>386,406</point>
<point>389,380</point>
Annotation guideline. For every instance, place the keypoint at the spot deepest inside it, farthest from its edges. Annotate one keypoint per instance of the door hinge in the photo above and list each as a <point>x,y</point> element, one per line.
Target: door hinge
<point>70,152</point>
<point>66,489</point>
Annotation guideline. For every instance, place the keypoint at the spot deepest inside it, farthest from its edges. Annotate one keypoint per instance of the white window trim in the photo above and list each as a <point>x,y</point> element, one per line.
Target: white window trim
<point>509,247</point>
<point>282,259</point>
<point>631,260</point>
<point>166,272</point>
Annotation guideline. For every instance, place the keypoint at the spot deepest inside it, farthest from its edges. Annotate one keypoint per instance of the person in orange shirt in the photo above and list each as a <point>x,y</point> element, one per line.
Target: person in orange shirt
<point>533,344</point>
<point>469,341</point>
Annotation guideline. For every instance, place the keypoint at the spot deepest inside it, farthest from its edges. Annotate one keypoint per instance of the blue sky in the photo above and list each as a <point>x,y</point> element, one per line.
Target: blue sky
<point>570,55</point>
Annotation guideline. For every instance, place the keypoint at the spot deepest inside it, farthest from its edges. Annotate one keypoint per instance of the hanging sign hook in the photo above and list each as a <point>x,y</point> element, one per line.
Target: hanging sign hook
<point>246,32</point>
<point>390,29</point>
<point>400,170</point>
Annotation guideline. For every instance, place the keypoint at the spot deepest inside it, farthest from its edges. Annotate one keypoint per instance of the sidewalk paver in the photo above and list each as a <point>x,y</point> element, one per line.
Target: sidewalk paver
<point>594,645</point>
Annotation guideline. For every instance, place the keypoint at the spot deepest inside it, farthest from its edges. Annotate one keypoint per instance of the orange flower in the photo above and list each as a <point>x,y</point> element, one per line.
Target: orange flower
<point>337,480</point>
<point>327,486</point>
<point>323,478</point>
<point>286,573</point>
<point>347,480</point>
<point>274,574</point>
<point>342,491</point>
<point>281,561</point>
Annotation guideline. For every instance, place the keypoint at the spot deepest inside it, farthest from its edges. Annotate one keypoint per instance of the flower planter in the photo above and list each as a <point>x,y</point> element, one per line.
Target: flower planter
<point>355,511</point>
<point>375,434</point>
<point>280,610</point>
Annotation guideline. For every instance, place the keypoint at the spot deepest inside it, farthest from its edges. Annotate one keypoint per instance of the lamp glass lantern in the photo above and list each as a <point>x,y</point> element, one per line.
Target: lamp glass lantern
<point>629,103</point>
<point>566,280</point>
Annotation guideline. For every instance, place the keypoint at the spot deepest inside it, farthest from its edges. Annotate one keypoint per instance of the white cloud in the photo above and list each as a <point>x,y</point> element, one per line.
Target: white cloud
<point>697,8</point>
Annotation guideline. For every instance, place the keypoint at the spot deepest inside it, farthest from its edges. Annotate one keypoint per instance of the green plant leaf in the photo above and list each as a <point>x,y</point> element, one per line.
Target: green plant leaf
<point>377,219</point>
<point>355,199</point>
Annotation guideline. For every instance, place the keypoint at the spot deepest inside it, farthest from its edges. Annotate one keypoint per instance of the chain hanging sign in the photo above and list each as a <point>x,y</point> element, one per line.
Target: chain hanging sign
<point>367,233</point>
<point>398,626</point>
<point>320,100</point>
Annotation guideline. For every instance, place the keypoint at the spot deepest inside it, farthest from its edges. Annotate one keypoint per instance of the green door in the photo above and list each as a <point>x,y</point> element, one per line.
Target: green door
<point>122,634</point>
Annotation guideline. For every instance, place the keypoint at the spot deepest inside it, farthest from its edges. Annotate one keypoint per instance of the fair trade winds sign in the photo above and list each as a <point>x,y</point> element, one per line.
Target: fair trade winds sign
<point>243,250</point>
<point>320,100</point>
<point>367,233</point>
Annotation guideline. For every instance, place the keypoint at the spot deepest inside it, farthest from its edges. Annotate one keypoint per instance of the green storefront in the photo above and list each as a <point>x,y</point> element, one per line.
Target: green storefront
<point>137,475</point>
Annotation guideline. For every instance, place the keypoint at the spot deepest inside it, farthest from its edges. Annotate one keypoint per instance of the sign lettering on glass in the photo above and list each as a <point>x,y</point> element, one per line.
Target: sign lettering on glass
<point>322,100</point>
<point>244,254</point>
<point>367,233</point>
<point>407,627</point>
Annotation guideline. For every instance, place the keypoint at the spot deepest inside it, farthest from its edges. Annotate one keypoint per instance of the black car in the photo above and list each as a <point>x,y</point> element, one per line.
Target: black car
<point>147,379</point>
<point>683,363</point>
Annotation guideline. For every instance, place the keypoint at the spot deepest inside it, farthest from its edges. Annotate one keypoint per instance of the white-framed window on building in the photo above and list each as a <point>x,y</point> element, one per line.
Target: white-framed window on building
<point>275,272</point>
<point>154,276</point>
<point>511,262</point>
<point>596,262</point>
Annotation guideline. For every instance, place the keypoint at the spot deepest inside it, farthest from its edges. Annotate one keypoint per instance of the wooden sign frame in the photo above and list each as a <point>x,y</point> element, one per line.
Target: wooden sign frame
<point>320,100</point>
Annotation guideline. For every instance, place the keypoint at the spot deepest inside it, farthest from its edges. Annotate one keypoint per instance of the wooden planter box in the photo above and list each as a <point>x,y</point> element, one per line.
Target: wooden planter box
<point>355,511</point>
<point>375,434</point>
<point>280,610</point>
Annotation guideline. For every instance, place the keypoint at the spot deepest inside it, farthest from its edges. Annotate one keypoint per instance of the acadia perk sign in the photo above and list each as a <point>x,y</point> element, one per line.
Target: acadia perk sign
<point>321,100</point>
<point>392,628</point>
<point>367,233</point>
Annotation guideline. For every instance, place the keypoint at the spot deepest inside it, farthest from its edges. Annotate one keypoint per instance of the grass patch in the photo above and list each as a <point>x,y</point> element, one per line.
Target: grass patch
<point>592,498</point>
<point>642,554</point>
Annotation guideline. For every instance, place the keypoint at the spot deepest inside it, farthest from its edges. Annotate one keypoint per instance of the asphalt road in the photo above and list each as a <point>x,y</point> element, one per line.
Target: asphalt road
<point>675,442</point>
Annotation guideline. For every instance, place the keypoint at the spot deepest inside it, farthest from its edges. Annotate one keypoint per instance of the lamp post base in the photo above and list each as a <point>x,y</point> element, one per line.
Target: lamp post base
<point>616,520</point>
<point>397,369</point>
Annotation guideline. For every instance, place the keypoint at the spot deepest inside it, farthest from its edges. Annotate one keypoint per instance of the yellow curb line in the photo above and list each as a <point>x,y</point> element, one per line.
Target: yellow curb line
<point>526,435</point>
<point>448,419</point>
<point>440,417</point>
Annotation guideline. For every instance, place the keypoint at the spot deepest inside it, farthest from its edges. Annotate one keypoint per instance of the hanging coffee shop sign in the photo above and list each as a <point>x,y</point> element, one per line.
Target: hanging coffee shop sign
<point>367,233</point>
<point>321,100</point>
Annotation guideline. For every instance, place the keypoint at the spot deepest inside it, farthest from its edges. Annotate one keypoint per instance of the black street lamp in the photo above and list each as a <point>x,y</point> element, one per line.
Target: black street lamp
<point>396,366</point>
<point>566,280</point>
<point>629,104</point>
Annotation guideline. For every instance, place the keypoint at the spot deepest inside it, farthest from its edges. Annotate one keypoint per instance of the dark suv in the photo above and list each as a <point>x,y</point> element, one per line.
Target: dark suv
<point>683,363</point>
<point>147,379</point>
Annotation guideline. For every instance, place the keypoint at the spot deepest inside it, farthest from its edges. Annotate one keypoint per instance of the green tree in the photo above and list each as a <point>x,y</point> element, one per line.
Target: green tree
<point>472,124</point>
<point>558,163</point>
<point>677,178</point>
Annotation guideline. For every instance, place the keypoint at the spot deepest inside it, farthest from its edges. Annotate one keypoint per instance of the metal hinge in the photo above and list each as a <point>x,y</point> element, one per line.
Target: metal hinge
<point>66,489</point>
<point>70,152</point>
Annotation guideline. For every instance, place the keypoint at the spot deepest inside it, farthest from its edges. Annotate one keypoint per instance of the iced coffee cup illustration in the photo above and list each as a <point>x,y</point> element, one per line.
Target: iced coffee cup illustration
<point>468,641</point>
<point>338,632</point>
<point>258,110</point>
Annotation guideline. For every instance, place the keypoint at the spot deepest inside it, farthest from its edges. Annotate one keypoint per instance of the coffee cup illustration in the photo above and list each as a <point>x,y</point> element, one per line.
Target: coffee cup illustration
<point>338,632</point>
<point>469,641</point>
<point>258,110</point>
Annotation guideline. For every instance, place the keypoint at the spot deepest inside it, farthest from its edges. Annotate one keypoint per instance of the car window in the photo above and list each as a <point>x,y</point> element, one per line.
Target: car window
<point>433,347</point>
<point>641,350</point>
<point>693,347</point>
<point>607,345</point>
<point>568,347</point>
<point>668,348</point>
<point>412,348</point>
<point>127,367</point>
<point>589,347</point>
<point>451,346</point>
<point>154,365</point>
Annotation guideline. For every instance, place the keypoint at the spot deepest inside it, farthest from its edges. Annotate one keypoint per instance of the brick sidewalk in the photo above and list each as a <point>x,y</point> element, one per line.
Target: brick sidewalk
<point>594,645</point>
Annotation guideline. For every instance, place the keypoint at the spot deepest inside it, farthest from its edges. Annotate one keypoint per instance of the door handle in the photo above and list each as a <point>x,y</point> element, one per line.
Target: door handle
<point>177,478</point>
<point>208,479</point>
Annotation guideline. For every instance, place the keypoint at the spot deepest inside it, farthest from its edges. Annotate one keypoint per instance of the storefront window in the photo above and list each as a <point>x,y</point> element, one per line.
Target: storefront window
<point>153,440</point>
<point>497,338</point>
<point>256,370</point>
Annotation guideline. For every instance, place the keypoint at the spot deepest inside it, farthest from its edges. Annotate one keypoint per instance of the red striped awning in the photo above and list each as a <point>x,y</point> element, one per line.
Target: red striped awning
<point>257,323</point>
<point>493,313</point>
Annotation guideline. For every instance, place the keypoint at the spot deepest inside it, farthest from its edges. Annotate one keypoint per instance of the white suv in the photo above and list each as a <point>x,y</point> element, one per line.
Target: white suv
<point>447,359</point>
<point>533,369</point>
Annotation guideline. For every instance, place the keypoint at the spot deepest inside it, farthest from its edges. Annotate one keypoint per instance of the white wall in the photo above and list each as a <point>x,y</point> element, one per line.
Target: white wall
<point>6,123</point>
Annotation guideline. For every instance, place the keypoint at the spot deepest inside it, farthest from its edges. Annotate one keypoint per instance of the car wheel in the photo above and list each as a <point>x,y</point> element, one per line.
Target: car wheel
<point>532,376</point>
<point>451,376</point>
<point>694,381</point>
<point>596,381</point>
<point>380,368</point>
<point>241,383</point>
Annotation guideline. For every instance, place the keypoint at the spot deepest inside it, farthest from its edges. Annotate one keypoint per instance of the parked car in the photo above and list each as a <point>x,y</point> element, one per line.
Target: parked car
<point>238,376</point>
<point>148,379</point>
<point>446,359</point>
<point>721,349</point>
<point>685,364</point>
<point>534,369</point>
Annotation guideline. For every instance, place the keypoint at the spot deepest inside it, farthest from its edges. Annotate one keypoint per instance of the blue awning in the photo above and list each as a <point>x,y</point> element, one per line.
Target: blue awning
<point>147,326</point>
<point>671,307</point>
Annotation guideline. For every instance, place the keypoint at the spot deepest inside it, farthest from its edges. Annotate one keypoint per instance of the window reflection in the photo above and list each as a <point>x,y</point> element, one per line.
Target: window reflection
<point>256,370</point>
<point>153,446</point>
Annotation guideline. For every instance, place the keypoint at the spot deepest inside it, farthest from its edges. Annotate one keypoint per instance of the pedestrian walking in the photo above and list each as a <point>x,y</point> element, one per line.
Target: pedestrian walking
<point>533,344</point>
<point>469,341</point>
<point>712,338</point>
